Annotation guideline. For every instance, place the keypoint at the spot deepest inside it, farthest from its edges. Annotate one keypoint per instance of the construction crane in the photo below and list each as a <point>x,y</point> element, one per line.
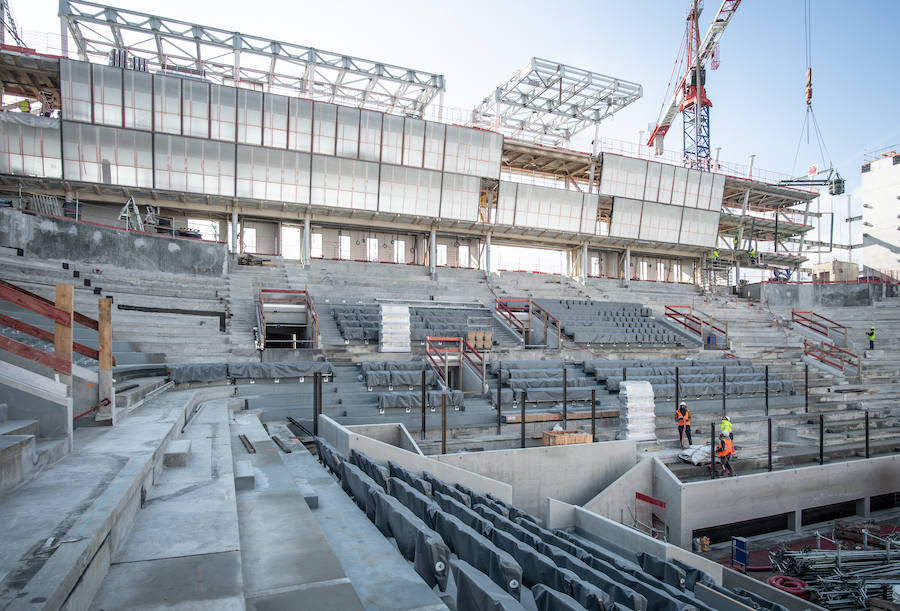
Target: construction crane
<point>689,97</point>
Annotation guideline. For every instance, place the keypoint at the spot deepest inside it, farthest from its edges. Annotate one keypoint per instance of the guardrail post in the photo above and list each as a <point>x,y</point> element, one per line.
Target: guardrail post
<point>677,389</point>
<point>724,413</point>
<point>443,423</point>
<point>624,374</point>
<point>104,362</point>
<point>558,336</point>
<point>806,388</point>
<point>767,390</point>
<point>62,334</point>
<point>867,433</point>
<point>315,404</point>
<point>593,415</point>
<point>522,403</point>
<point>712,451</point>
<point>821,439</point>
<point>499,398</point>
<point>565,397</point>
<point>424,400</point>
<point>769,422</point>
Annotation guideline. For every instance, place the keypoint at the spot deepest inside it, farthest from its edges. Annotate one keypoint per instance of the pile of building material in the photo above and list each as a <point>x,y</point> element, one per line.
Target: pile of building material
<point>394,336</point>
<point>636,411</point>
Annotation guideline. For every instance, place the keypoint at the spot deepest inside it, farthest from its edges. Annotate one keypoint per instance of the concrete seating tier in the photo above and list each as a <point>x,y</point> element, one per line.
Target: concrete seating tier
<point>485,553</point>
<point>593,322</point>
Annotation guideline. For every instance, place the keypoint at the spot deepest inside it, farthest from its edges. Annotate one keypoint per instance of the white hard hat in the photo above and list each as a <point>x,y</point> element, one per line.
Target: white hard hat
<point>682,403</point>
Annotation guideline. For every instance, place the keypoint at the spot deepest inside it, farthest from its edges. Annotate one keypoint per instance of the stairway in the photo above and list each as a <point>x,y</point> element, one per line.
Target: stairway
<point>22,451</point>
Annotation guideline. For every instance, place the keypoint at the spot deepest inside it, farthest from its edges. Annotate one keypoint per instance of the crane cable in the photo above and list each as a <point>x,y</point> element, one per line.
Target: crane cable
<point>810,117</point>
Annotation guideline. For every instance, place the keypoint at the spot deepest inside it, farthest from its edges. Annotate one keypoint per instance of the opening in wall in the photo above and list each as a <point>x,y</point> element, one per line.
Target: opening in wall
<point>291,241</point>
<point>315,248</point>
<point>344,247</point>
<point>464,256</point>
<point>248,239</point>
<point>441,254</point>
<point>372,249</point>
<point>400,251</point>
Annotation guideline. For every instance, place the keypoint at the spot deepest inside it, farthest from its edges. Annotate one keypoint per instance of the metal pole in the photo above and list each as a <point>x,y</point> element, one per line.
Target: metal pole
<point>499,398</point>
<point>724,412</point>
<point>315,405</point>
<point>770,443</point>
<point>624,374</point>
<point>565,398</point>
<point>594,415</point>
<point>443,423</point>
<point>677,389</point>
<point>821,439</point>
<point>712,451</point>
<point>767,390</point>
<point>867,433</point>
<point>522,403</point>
<point>806,388</point>
<point>423,404</point>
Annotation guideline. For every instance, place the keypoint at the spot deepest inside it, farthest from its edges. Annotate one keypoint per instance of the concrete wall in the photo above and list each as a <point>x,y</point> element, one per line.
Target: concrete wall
<point>569,473</point>
<point>56,238</point>
<point>344,440</point>
<point>812,295</point>
<point>394,434</point>
<point>766,494</point>
<point>414,249</point>
<point>614,501</point>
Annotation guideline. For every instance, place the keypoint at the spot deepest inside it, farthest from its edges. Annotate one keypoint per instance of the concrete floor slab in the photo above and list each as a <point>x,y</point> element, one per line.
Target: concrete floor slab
<point>206,581</point>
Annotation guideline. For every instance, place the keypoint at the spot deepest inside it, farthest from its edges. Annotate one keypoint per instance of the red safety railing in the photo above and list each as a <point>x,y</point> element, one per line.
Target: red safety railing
<point>832,355</point>
<point>696,322</point>
<point>43,307</point>
<point>293,296</point>
<point>441,350</point>
<point>820,324</point>
<point>508,308</point>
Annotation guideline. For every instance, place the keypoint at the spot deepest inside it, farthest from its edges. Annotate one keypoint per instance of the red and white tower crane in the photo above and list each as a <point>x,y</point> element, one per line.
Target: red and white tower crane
<point>689,97</point>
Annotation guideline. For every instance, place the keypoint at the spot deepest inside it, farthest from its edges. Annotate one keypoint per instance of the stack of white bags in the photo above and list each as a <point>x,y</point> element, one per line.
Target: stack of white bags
<point>636,411</point>
<point>394,328</point>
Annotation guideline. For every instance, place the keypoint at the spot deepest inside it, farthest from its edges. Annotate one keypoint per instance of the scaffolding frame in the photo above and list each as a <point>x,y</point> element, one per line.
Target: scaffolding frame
<point>233,58</point>
<point>549,102</point>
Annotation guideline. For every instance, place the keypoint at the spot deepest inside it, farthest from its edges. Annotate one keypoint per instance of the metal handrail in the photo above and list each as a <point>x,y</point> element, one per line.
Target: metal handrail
<point>676,314</point>
<point>812,321</point>
<point>832,355</point>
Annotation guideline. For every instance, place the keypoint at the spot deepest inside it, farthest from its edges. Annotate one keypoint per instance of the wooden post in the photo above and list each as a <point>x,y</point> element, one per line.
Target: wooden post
<point>565,397</point>
<point>443,423</point>
<point>62,334</point>
<point>104,365</point>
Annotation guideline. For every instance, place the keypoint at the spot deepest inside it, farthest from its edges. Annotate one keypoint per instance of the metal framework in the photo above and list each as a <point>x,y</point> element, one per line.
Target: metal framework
<point>243,60</point>
<point>549,102</point>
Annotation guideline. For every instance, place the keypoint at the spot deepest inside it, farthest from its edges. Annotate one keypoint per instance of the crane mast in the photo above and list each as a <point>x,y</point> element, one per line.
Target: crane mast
<point>689,97</point>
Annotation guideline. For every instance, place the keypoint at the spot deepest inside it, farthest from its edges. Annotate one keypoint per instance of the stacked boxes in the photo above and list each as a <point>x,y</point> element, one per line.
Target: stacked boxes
<point>636,413</point>
<point>394,328</point>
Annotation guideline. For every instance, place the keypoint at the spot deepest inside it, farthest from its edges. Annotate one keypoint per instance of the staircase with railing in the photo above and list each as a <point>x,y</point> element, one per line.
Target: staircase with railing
<point>521,315</point>
<point>822,327</point>
<point>707,329</point>
<point>446,352</point>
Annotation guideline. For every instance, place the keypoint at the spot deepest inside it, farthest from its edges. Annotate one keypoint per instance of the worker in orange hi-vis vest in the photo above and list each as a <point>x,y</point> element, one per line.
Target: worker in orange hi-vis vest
<point>725,451</point>
<point>683,418</point>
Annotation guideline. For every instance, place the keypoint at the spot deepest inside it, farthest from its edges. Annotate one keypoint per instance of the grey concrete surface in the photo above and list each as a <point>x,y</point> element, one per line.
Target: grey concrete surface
<point>811,295</point>
<point>55,238</point>
<point>177,453</point>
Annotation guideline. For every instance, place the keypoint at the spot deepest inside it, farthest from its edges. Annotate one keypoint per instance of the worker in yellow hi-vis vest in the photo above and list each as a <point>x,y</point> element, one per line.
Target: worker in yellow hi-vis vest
<point>871,336</point>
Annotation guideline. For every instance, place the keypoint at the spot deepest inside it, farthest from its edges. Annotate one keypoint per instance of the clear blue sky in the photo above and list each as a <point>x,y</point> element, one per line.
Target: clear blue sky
<point>757,93</point>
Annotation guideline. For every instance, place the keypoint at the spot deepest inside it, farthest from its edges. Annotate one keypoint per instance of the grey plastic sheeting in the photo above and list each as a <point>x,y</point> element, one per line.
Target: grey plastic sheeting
<point>409,477</point>
<point>636,372</point>
<point>198,372</point>
<point>462,513</point>
<point>369,467</point>
<point>412,499</point>
<point>393,366</point>
<point>547,599</point>
<point>286,369</point>
<point>330,457</point>
<point>753,600</point>
<point>592,364</point>
<point>410,400</point>
<point>525,383</point>
<point>548,373</point>
<point>475,592</point>
<point>471,546</point>
<point>732,388</point>
<point>438,485</point>
<point>578,393</point>
<point>398,378</point>
<point>418,543</point>
<point>492,367</point>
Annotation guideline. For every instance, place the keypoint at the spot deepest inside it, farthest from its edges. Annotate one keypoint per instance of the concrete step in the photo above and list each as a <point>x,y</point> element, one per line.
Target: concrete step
<point>19,427</point>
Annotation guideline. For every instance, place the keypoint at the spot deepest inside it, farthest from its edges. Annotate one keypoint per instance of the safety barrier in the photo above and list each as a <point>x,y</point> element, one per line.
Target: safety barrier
<point>508,308</point>
<point>820,324</point>
<point>697,323</point>
<point>445,352</point>
<point>288,296</point>
<point>832,355</point>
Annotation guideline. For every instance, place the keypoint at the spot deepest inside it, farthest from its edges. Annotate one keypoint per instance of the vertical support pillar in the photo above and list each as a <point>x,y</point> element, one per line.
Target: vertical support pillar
<point>104,363</point>
<point>593,415</point>
<point>522,403</point>
<point>432,252</point>
<point>806,388</point>
<point>769,423</point>
<point>821,439</point>
<point>626,275</point>
<point>499,398</point>
<point>565,398</point>
<point>443,423</point>
<point>677,388</point>
<point>424,400</point>
<point>712,452</point>
<point>315,405</point>
<point>584,264</point>
<point>867,433</point>
<point>235,233</point>
<point>306,256</point>
<point>487,254</point>
<point>767,391</point>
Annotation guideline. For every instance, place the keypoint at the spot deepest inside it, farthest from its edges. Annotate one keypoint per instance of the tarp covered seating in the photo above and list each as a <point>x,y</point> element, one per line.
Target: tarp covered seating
<point>213,372</point>
<point>413,399</point>
<point>593,322</point>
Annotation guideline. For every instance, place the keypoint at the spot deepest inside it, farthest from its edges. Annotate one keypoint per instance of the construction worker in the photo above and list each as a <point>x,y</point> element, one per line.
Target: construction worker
<point>715,255</point>
<point>752,254</point>
<point>726,428</point>
<point>871,336</point>
<point>724,452</point>
<point>683,417</point>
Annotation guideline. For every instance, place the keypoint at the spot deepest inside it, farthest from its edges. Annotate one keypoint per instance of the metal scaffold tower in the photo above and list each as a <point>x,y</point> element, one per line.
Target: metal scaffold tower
<point>548,102</point>
<point>233,58</point>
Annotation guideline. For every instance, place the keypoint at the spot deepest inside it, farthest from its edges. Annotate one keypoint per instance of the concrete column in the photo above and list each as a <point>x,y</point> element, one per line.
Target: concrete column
<point>584,263</point>
<point>487,254</point>
<point>104,363</point>
<point>627,275</point>
<point>863,507</point>
<point>235,244</point>
<point>432,252</point>
<point>795,519</point>
<point>305,255</point>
